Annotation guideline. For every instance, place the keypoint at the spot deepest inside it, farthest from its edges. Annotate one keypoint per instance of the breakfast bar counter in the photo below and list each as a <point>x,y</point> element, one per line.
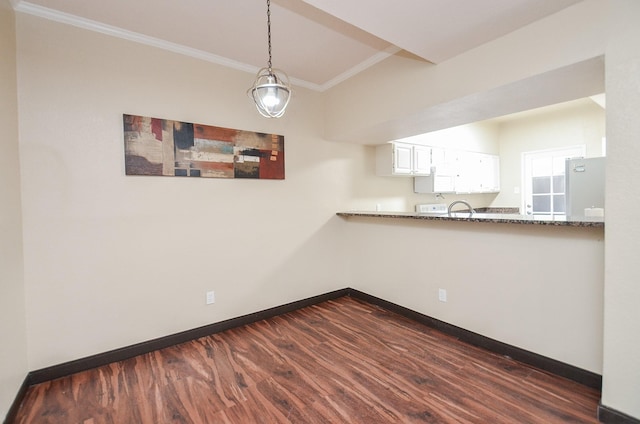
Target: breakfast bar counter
<point>498,218</point>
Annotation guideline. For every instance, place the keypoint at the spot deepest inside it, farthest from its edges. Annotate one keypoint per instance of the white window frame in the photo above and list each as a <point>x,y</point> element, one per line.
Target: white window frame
<point>526,167</point>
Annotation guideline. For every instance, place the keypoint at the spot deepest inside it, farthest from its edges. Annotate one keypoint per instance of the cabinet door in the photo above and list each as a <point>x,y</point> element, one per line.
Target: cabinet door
<point>467,180</point>
<point>437,156</point>
<point>444,163</point>
<point>421,160</point>
<point>495,173</point>
<point>444,183</point>
<point>444,160</point>
<point>488,173</point>
<point>477,173</point>
<point>402,158</point>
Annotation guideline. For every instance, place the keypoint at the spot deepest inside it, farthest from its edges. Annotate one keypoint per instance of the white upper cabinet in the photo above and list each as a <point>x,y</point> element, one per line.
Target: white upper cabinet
<point>457,171</point>
<point>440,170</point>
<point>402,159</point>
<point>421,160</point>
<point>467,169</point>
<point>489,173</point>
<point>445,169</point>
<point>477,173</point>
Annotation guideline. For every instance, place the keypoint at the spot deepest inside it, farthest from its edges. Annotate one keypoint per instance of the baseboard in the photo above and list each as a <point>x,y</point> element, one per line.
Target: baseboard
<point>607,415</point>
<point>584,377</point>
<point>13,410</point>
<point>94,361</point>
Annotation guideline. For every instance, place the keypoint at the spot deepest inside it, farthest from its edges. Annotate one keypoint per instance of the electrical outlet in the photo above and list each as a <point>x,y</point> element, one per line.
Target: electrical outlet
<point>442,295</point>
<point>211,297</point>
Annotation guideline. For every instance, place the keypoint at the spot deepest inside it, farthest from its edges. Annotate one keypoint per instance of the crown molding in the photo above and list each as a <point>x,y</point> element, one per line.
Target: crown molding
<point>91,25</point>
<point>376,58</point>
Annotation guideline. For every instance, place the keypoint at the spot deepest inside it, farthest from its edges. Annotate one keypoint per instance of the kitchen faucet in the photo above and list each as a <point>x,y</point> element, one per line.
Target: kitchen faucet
<point>471,210</point>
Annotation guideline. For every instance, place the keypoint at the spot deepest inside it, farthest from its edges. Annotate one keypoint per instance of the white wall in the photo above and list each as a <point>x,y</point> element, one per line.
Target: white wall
<point>113,260</point>
<point>13,342</point>
<point>580,122</point>
<point>621,378</point>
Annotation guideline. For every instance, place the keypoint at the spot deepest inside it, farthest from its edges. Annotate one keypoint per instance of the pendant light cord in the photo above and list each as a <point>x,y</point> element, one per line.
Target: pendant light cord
<point>269,30</point>
<point>271,90</point>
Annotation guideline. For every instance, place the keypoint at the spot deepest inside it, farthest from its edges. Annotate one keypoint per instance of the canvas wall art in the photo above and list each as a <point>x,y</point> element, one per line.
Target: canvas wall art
<point>163,147</point>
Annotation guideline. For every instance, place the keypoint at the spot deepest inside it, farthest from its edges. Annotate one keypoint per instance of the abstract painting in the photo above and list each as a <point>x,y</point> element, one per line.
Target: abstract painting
<point>156,146</point>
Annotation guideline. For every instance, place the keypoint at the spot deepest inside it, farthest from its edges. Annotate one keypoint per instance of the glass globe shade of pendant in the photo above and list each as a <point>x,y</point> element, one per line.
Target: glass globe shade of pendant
<point>271,92</point>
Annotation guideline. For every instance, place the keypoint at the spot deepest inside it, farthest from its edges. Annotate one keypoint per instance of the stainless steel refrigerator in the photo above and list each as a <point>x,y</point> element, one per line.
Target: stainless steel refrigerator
<point>584,186</point>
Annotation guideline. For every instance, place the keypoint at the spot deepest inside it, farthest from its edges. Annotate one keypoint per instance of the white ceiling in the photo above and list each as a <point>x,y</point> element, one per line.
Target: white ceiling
<point>319,43</point>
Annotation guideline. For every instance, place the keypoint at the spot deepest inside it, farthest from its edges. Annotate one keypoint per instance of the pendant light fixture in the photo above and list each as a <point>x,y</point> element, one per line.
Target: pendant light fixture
<point>271,90</point>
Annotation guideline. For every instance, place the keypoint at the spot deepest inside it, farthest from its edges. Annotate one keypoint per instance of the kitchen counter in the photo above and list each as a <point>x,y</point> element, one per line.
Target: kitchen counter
<point>498,218</point>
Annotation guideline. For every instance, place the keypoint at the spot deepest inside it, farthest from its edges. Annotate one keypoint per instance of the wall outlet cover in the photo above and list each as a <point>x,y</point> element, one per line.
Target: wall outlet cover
<point>442,295</point>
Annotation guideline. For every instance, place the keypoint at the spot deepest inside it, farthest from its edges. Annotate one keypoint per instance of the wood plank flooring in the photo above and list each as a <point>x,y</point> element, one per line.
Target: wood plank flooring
<point>341,361</point>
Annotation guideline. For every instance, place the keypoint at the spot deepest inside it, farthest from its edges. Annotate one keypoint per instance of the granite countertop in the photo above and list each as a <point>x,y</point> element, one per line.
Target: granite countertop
<point>499,218</point>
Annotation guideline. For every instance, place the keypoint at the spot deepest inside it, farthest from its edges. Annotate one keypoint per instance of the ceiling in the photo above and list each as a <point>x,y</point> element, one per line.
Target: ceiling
<point>319,43</point>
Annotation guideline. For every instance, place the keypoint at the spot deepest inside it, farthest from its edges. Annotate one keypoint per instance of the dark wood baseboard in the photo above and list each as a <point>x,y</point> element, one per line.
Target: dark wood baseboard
<point>584,377</point>
<point>553,366</point>
<point>607,415</point>
<point>94,361</point>
<point>13,410</point>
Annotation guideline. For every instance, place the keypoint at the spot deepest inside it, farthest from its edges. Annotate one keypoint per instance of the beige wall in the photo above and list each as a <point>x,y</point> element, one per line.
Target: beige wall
<point>535,287</point>
<point>539,288</point>
<point>568,124</point>
<point>395,193</point>
<point>621,378</point>
<point>113,260</point>
<point>427,96</point>
<point>580,34</point>
<point>13,347</point>
<point>476,137</point>
<point>581,122</point>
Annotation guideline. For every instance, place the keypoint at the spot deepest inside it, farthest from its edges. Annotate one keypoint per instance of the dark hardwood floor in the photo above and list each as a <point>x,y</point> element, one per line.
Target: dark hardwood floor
<point>342,361</point>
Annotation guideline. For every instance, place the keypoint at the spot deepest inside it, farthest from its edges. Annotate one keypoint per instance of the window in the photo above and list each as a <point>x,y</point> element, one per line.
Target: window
<point>543,178</point>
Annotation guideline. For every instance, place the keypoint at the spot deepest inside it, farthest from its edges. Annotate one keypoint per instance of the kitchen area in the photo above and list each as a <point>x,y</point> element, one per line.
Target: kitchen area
<point>511,165</point>
<point>493,251</point>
